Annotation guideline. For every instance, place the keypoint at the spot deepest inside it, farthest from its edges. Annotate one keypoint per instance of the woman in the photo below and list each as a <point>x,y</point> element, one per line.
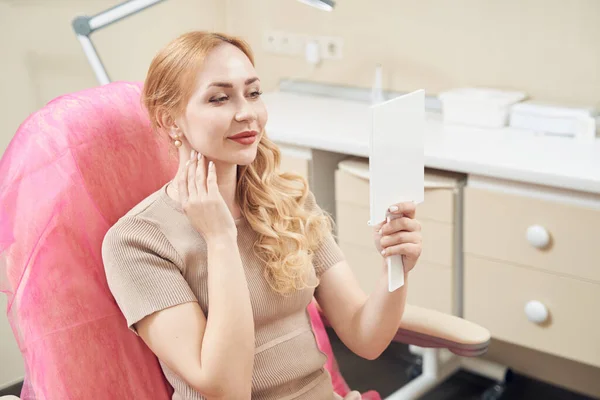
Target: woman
<point>215,270</point>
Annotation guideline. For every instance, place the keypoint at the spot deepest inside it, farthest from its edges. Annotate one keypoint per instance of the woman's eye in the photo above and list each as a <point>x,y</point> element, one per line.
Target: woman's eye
<point>218,99</point>
<point>255,94</point>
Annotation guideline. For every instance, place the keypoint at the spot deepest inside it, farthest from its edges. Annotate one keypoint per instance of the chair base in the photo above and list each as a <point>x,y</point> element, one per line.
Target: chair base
<point>438,365</point>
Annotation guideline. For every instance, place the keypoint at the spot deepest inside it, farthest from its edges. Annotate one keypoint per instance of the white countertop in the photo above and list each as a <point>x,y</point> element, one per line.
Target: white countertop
<point>342,126</point>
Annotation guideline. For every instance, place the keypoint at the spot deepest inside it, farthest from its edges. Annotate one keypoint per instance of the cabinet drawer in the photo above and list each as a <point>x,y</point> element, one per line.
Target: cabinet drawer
<point>429,285</point>
<point>496,226</point>
<point>496,294</point>
<point>296,160</point>
<point>437,236</point>
<point>352,187</point>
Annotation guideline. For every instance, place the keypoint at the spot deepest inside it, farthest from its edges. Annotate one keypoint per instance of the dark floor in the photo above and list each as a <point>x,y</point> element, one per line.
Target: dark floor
<point>14,390</point>
<point>389,372</point>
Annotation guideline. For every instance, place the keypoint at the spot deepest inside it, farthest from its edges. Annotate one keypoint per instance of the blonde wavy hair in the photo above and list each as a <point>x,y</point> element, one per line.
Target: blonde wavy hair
<point>274,203</point>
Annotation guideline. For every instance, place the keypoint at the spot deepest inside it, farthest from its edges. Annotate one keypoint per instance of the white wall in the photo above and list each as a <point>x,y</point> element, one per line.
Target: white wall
<point>40,58</point>
<point>547,48</point>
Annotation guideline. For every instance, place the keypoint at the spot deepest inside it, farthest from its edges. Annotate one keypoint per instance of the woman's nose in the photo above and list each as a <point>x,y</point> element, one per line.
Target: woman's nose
<point>245,112</point>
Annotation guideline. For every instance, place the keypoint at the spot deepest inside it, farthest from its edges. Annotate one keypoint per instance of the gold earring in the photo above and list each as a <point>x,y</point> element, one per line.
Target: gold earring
<point>176,139</point>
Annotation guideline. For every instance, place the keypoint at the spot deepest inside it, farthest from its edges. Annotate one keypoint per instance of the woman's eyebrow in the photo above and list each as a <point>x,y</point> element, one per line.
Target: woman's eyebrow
<point>229,85</point>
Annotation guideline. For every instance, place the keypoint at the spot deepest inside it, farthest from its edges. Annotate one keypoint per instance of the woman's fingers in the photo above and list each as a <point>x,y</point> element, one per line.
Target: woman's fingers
<point>191,175</point>
<point>201,175</point>
<point>353,395</point>
<point>211,179</point>
<point>407,208</point>
<point>400,224</point>
<point>411,250</point>
<point>378,227</point>
<point>399,238</point>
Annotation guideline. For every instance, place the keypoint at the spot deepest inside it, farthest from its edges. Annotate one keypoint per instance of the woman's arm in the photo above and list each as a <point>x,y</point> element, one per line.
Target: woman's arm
<point>367,325</point>
<point>215,356</point>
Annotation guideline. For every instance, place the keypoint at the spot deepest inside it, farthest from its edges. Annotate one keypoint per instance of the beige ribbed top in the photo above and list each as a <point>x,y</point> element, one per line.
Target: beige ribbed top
<point>155,259</point>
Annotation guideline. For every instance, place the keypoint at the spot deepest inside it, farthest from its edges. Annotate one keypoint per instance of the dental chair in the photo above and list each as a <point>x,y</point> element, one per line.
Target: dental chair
<point>71,171</point>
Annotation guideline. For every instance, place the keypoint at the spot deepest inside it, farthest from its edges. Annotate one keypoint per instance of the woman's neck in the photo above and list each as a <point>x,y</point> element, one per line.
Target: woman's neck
<point>227,182</point>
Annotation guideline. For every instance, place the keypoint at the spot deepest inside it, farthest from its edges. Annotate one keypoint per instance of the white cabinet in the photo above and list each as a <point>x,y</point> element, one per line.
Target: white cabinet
<point>432,282</point>
<point>531,271</point>
<point>296,160</point>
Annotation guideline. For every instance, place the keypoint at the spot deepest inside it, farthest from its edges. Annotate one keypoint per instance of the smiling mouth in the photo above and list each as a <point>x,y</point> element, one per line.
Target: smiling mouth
<point>246,138</point>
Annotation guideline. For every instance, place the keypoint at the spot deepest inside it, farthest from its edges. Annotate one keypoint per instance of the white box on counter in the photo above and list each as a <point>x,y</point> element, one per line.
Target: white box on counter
<point>481,107</point>
<point>579,123</point>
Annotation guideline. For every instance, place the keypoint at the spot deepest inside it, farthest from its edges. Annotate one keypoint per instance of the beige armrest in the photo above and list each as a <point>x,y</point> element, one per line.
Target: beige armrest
<point>424,327</point>
<point>9,397</point>
<point>428,328</point>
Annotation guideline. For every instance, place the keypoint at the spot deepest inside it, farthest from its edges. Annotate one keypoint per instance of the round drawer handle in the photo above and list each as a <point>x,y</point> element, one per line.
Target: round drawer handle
<point>536,311</point>
<point>538,236</point>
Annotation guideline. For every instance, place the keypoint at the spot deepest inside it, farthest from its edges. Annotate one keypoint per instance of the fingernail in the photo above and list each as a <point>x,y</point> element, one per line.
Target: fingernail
<point>383,252</point>
<point>211,164</point>
<point>192,154</point>
<point>199,156</point>
<point>394,208</point>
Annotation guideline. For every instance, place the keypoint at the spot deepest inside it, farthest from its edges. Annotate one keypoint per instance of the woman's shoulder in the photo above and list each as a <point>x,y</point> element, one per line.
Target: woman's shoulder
<point>311,204</point>
<point>150,204</point>
<point>135,243</point>
<point>149,214</point>
<point>143,226</point>
<point>132,233</point>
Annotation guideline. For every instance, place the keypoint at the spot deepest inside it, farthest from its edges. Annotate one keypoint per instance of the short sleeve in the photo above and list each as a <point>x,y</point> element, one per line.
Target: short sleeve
<point>139,271</point>
<point>328,253</point>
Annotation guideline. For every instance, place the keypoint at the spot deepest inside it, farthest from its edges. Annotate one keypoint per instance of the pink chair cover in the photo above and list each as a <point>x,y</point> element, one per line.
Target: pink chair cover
<point>339,384</point>
<point>72,169</point>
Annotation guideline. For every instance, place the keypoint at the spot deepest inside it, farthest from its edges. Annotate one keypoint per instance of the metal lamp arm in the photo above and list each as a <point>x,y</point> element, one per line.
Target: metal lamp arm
<point>84,26</point>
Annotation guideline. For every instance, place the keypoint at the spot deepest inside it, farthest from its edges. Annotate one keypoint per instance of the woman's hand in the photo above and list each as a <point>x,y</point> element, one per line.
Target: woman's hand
<point>401,236</point>
<point>201,200</point>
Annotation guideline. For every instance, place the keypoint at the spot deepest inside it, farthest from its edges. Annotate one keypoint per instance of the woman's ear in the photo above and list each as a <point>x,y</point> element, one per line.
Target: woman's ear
<point>165,121</point>
<point>168,124</point>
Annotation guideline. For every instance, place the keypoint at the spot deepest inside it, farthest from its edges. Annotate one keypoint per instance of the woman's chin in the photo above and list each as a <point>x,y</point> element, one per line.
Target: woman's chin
<point>246,161</point>
<point>245,157</point>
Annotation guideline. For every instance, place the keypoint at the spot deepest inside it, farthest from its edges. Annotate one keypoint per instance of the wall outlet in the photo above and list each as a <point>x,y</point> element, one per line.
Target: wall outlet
<point>331,47</point>
<point>284,43</point>
<point>270,40</point>
<point>293,44</point>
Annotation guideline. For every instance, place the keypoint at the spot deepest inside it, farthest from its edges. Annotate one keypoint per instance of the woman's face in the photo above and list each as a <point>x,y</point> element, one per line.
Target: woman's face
<point>225,116</point>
